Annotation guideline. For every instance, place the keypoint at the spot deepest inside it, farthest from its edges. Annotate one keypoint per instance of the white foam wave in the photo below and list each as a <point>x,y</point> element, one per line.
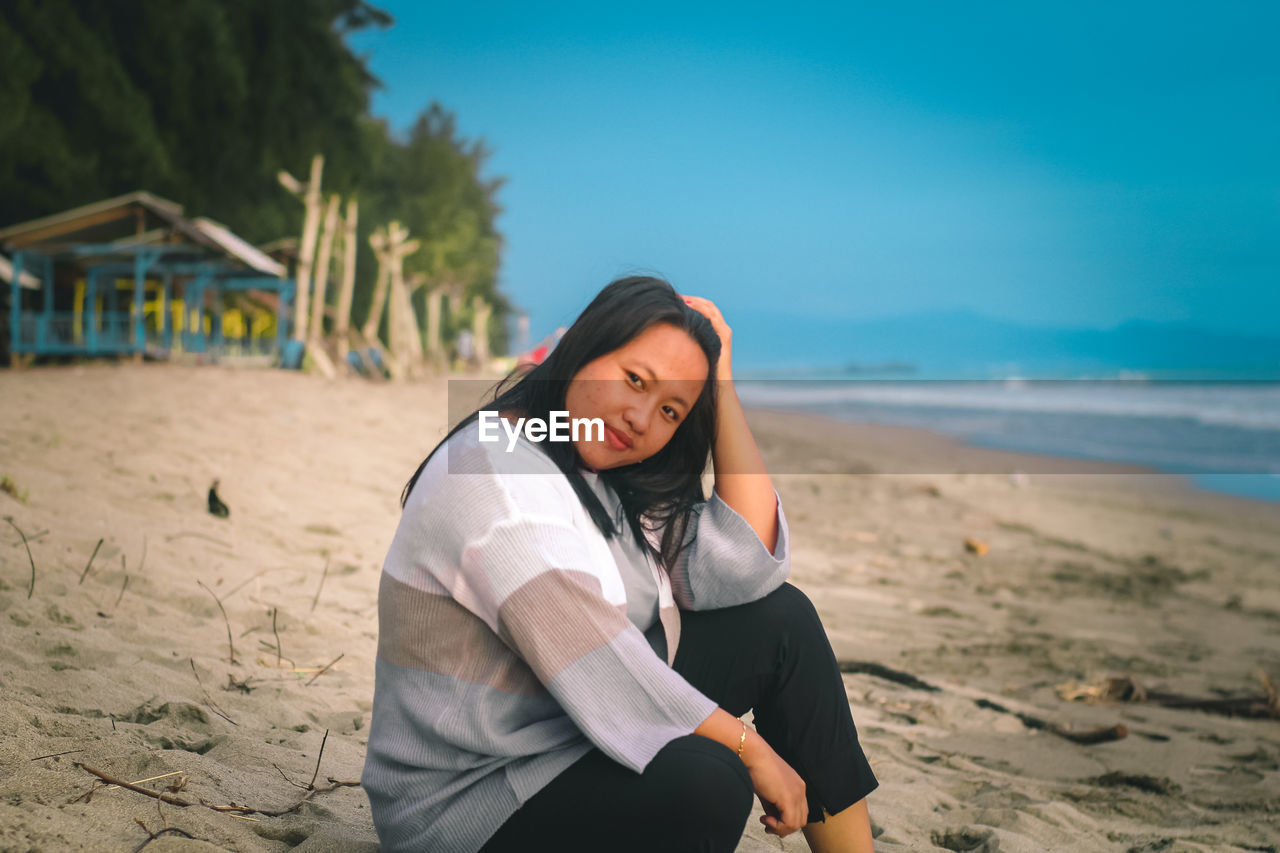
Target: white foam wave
<point>1251,406</point>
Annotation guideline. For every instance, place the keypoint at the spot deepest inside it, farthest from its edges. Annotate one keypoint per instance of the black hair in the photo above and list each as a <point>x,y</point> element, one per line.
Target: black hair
<point>661,492</point>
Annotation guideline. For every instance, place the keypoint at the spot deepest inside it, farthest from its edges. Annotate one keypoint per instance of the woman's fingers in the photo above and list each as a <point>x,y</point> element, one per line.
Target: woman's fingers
<point>708,309</point>
<point>705,307</point>
<point>790,819</point>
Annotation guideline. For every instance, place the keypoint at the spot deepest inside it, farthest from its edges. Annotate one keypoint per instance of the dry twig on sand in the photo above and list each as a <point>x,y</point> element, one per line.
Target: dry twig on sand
<point>232,808</point>
<point>32,589</point>
<point>85,573</point>
<point>111,780</point>
<point>323,575</point>
<point>56,754</point>
<point>311,785</point>
<point>275,611</point>
<point>152,836</point>
<point>34,537</point>
<point>182,534</point>
<point>325,668</point>
<point>218,601</point>
<point>208,700</point>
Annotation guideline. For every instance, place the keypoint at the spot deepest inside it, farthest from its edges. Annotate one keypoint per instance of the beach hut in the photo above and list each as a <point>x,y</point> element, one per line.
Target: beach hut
<point>132,275</point>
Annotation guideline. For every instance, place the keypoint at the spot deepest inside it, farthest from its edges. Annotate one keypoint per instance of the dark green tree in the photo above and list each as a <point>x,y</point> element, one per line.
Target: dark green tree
<point>200,101</point>
<point>205,101</point>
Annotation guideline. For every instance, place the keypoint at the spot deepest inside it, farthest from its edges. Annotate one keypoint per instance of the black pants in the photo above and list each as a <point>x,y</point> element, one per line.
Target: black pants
<point>772,656</point>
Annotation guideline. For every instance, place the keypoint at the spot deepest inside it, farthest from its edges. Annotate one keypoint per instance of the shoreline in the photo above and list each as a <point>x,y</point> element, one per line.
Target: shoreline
<point>941,449</point>
<point>1089,570</point>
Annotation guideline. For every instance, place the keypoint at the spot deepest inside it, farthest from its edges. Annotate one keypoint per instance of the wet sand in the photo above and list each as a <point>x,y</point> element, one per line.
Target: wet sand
<point>1093,572</point>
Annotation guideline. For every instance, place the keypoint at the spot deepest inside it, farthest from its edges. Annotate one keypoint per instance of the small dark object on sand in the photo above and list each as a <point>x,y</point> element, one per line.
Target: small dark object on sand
<point>216,506</point>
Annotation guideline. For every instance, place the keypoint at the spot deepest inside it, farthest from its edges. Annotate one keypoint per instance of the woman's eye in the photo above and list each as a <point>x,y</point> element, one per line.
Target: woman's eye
<point>635,378</point>
<point>671,413</point>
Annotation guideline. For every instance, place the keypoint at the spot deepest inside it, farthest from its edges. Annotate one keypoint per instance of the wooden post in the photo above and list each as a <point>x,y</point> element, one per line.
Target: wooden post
<point>481,312</point>
<point>406,340</point>
<point>321,271</point>
<point>310,225</point>
<point>378,242</point>
<point>405,345</point>
<point>343,319</point>
<point>320,275</point>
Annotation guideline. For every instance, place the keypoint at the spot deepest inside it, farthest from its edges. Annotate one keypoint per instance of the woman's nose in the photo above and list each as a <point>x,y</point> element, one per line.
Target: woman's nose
<point>637,417</point>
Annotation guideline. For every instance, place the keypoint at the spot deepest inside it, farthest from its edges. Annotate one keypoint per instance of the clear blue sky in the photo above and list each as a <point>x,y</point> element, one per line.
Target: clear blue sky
<point>1056,164</point>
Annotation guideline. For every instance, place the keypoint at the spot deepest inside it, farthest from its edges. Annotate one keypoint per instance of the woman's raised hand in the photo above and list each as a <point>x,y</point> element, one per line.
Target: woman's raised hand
<point>780,789</point>
<point>708,309</point>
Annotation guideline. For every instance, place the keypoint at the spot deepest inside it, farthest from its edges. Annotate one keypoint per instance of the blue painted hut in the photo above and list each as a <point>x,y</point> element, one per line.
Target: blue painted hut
<point>132,275</point>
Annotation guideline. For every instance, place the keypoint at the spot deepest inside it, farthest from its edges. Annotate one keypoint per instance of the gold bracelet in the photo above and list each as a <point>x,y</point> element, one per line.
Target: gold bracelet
<point>743,739</point>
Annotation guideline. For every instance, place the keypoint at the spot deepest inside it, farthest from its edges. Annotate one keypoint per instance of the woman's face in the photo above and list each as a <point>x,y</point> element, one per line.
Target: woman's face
<point>642,391</point>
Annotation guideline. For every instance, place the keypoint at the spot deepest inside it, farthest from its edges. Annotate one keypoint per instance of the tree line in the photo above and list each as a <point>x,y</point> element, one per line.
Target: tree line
<point>205,101</point>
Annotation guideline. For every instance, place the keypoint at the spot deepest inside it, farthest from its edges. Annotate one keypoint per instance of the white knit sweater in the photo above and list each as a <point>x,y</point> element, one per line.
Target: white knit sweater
<point>505,650</point>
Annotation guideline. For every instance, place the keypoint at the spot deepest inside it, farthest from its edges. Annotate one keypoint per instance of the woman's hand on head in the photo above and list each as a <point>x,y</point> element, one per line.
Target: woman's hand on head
<point>708,309</point>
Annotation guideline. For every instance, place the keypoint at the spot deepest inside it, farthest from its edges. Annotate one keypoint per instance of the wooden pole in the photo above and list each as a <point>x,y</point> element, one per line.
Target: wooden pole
<point>348,279</point>
<point>378,241</point>
<point>395,324</point>
<point>310,225</point>
<point>321,272</point>
<point>391,245</point>
<point>406,340</point>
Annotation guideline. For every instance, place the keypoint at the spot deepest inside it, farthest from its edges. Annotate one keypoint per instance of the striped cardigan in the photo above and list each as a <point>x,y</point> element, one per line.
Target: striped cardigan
<point>505,651</point>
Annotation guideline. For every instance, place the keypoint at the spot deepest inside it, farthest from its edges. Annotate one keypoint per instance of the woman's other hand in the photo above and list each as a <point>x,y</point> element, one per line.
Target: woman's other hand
<point>780,788</point>
<point>708,309</point>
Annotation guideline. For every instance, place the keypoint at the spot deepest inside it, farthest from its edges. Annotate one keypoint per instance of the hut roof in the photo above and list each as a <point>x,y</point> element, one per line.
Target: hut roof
<point>240,248</point>
<point>127,222</point>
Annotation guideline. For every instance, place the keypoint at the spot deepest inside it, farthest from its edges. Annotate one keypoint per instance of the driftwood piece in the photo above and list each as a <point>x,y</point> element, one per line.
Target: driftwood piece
<point>1123,689</point>
<point>234,808</point>
<point>864,667</point>
<point>1089,736</point>
<point>1086,737</point>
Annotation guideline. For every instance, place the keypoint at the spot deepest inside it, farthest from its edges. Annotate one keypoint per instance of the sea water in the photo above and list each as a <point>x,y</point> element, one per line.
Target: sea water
<point>1223,434</point>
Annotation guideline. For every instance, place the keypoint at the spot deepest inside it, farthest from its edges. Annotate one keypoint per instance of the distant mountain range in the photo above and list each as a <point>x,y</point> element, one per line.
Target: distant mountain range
<point>966,343</point>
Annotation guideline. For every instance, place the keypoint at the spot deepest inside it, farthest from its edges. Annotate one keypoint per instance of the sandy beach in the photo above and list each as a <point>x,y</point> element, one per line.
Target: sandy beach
<point>129,668</point>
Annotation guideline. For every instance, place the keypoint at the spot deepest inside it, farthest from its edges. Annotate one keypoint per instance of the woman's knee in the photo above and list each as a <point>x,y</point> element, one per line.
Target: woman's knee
<point>788,606</point>
<point>707,789</point>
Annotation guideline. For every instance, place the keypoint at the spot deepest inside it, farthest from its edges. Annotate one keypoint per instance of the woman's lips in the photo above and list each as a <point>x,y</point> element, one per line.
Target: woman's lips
<point>617,440</point>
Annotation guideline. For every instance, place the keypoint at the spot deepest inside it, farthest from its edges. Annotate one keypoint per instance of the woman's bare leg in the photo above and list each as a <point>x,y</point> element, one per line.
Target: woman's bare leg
<point>846,832</point>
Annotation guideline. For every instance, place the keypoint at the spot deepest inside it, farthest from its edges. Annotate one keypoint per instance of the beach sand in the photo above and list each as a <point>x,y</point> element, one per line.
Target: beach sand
<point>1093,573</point>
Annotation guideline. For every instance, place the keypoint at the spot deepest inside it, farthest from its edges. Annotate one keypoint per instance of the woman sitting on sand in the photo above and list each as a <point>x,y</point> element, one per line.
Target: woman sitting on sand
<point>569,631</point>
